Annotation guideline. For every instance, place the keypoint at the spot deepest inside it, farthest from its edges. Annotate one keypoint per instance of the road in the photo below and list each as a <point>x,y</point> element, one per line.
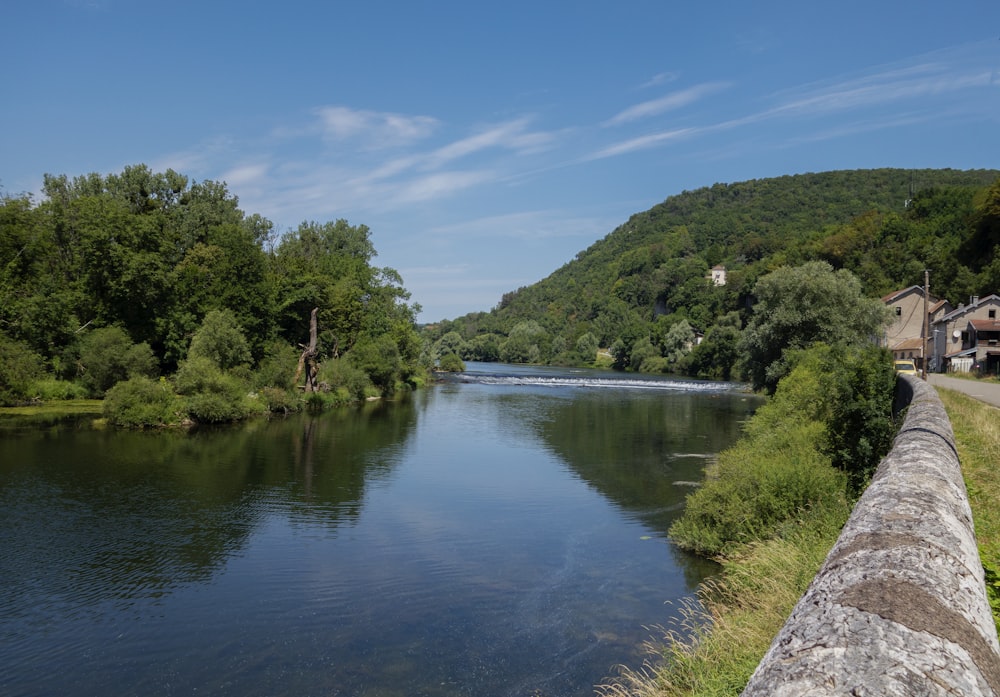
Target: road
<point>988,392</point>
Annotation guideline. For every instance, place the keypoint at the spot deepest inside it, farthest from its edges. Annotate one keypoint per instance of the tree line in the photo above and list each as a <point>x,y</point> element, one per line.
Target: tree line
<point>142,274</point>
<point>643,291</point>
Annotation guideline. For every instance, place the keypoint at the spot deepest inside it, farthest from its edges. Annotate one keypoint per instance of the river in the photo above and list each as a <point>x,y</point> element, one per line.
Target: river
<point>502,533</point>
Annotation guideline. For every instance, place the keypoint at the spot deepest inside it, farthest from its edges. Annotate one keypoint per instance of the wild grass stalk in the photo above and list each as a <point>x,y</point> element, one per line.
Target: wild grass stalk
<point>715,645</point>
<point>977,436</point>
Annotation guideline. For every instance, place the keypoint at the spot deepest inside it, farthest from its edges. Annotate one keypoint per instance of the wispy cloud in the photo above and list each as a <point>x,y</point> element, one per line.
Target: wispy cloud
<point>670,102</point>
<point>644,142</point>
<point>925,88</point>
<point>659,79</point>
<point>376,129</point>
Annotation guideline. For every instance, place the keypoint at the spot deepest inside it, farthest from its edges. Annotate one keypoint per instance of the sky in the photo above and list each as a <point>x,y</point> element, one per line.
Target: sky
<point>486,143</point>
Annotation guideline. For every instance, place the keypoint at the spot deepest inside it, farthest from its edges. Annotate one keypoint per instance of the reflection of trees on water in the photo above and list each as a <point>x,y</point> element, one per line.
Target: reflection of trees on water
<point>645,452</point>
<point>642,451</point>
<point>91,516</point>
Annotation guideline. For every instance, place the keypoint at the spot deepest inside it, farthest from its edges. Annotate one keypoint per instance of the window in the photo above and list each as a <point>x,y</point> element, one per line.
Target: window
<point>993,314</point>
<point>899,311</point>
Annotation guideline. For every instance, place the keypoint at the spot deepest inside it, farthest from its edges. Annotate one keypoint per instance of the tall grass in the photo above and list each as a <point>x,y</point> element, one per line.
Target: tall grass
<point>977,436</point>
<point>770,510</point>
<point>721,637</point>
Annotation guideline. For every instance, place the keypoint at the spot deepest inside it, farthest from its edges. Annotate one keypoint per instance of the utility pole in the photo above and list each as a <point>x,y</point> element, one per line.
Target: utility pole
<point>927,319</point>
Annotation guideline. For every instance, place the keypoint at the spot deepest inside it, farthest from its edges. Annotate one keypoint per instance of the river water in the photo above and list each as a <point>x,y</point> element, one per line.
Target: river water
<point>502,533</point>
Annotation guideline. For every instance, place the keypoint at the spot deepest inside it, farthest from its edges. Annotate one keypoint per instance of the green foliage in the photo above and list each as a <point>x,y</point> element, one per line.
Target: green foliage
<point>451,363</point>
<point>220,339</point>
<point>48,389</point>
<point>19,368</point>
<point>379,358</point>
<point>803,453</point>
<point>800,306</point>
<point>213,395</point>
<point>140,402</point>
<point>277,367</point>
<point>655,265</point>
<point>526,343</point>
<point>586,348</point>
<point>343,375</point>
<point>107,356</point>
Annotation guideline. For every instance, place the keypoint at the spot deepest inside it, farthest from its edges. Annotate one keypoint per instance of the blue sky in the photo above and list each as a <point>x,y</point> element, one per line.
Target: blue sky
<point>486,143</point>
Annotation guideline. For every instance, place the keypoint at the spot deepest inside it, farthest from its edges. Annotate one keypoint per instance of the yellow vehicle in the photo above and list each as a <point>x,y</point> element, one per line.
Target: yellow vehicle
<point>906,367</point>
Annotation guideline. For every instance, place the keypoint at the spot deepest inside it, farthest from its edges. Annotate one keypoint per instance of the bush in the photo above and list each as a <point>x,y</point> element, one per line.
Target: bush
<point>451,363</point>
<point>140,402</point>
<point>279,400</point>
<point>341,374</point>
<point>277,367</point>
<point>54,389</point>
<point>19,367</point>
<point>831,409</point>
<point>213,395</point>
<point>221,339</point>
<point>107,356</point>
<point>380,360</point>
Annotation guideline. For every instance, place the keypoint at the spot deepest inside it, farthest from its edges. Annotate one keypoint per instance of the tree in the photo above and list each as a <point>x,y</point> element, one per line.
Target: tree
<point>800,306</point>
<point>221,340</point>
<point>108,356</point>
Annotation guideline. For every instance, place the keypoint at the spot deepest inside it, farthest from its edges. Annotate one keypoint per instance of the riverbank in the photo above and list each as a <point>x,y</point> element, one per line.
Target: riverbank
<point>717,648</point>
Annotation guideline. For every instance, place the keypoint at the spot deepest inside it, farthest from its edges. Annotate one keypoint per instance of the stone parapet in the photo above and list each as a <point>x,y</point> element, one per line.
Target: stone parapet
<point>899,606</point>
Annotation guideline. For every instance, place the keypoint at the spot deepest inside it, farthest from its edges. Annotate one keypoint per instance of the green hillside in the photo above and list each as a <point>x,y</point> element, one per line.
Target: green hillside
<point>643,290</point>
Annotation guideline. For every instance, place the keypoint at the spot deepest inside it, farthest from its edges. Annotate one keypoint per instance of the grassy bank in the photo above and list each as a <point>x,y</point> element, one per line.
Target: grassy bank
<point>720,640</point>
<point>977,435</point>
<point>769,511</point>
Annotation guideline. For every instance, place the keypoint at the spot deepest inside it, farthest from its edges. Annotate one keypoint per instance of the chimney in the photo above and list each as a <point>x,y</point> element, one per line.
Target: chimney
<point>974,300</point>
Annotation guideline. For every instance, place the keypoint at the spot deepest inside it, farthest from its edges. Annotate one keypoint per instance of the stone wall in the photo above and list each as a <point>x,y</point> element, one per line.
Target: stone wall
<point>899,606</point>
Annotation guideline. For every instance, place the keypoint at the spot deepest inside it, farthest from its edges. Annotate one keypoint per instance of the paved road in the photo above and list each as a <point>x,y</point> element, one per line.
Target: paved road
<point>988,392</point>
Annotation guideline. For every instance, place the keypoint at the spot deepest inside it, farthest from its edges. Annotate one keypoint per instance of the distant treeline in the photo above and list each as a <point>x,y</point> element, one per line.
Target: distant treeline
<point>644,290</point>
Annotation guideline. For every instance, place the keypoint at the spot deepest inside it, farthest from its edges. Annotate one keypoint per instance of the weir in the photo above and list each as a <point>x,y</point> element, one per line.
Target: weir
<point>899,607</point>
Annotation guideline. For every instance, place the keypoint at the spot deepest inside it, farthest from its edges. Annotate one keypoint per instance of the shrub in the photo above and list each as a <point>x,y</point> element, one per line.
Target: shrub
<point>55,389</point>
<point>341,374</point>
<point>279,400</point>
<point>213,395</point>
<point>19,367</point>
<point>277,367</point>
<point>107,356</point>
<point>451,363</point>
<point>140,402</point>
<point>221,339</point>
<point>783,467</point>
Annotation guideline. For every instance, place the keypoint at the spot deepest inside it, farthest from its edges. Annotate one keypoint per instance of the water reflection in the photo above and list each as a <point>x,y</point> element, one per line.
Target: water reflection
<point>492,539</point>
<point>91,516</point>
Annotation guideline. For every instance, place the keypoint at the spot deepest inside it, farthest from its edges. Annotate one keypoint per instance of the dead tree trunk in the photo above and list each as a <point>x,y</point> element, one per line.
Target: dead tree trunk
<point>307,361</point>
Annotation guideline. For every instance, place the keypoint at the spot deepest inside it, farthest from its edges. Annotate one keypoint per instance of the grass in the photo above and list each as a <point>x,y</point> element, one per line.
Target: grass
<point>721,637</point>
<point>55,409</point>
<point>977,436</point>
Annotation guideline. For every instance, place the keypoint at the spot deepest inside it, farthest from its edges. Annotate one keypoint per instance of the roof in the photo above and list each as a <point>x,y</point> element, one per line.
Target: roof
<point>991,299</point>
<point>938,305</point>
<point>908,344</point>
<point>896,295</point>
<point>985,325</point>
<point>964,352</point>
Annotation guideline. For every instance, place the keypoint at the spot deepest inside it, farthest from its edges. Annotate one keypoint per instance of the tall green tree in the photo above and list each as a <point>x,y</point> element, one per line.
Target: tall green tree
<point>800,306</point>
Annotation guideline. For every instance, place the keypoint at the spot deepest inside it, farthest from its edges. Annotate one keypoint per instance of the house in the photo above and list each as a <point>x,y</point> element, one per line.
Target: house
<point>968,337</point>
<point>905,336</point>
<point>719,275</point>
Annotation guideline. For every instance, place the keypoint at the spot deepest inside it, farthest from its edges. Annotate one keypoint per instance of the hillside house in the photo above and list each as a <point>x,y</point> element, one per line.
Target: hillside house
<point>967,337</point>
<point>719,275</point>
<point>905,336</point>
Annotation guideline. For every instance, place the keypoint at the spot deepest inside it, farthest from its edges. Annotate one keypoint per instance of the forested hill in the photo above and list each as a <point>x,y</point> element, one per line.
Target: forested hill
<point>638,283</point>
